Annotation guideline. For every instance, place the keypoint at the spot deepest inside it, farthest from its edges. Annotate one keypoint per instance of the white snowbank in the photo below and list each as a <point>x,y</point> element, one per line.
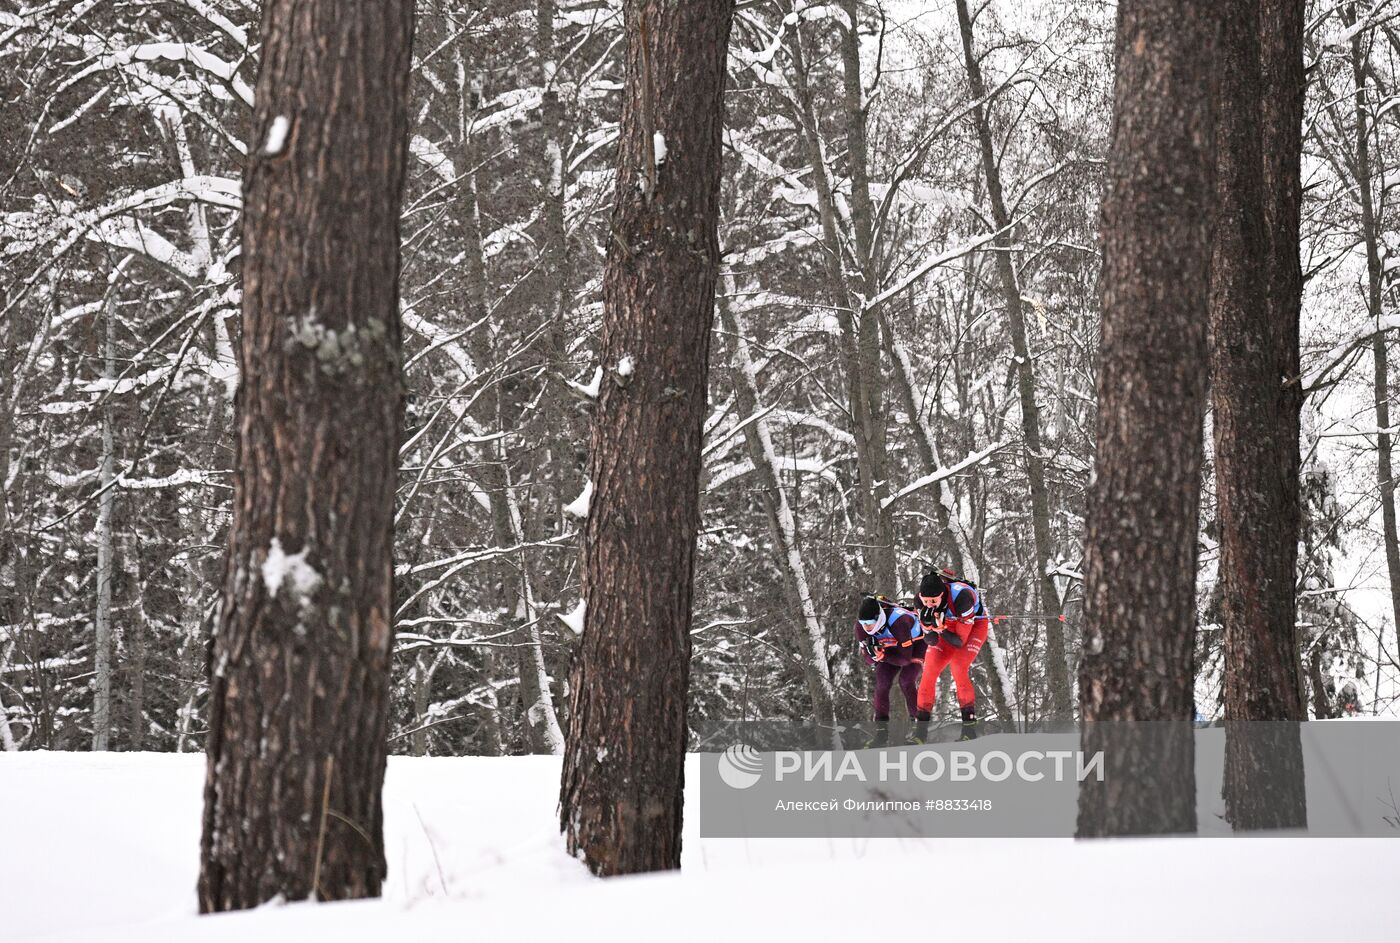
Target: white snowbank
<point>105,847</point>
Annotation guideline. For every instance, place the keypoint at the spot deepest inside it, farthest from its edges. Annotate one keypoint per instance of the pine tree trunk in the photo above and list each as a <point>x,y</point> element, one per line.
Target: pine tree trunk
<point>299,694</point>
<point>621,795</point>
<point>1057,669</point>
<point>1256,298</point>
<point>1143,513</point>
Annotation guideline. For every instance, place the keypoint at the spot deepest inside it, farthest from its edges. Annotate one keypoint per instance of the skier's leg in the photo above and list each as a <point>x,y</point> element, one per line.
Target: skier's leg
<point>884,680</point>
<point>909,685</point>
<point>934,663</point>
<point>962,677</point>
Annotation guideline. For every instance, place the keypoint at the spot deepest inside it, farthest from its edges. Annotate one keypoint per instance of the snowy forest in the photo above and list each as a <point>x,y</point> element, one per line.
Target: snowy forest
<point>478,403</point>
<point>902,362</point>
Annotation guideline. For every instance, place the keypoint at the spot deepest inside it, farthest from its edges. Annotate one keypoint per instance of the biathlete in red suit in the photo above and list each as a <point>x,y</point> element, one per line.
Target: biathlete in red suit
<point>892,640</point>
<point>954,614</point>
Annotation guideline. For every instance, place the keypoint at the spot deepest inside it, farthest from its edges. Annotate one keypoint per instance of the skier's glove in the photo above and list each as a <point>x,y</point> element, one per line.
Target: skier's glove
<point>951,639</point>
<point>928,616</point>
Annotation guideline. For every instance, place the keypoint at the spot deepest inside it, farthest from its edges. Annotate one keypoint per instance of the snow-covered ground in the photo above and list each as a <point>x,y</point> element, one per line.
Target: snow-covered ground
<point>103,847</point>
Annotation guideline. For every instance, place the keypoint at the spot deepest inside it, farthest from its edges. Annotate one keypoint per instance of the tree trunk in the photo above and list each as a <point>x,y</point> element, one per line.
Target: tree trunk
<point>541,719</point>
<point>1370,233</point>
<point>202,574</point>
<point>475,291</point>
<point>621,795</point>
<point>1057,668</point>
<point>11,601</point>
<point>137,629</point>
<point>299,694</point>
<point>102,646</point>
<point>7,736</point>
<point>870,428</point>
<point>862,381</point>
<point>422,685</point>
<point>1256,298</point>
<point>554,251</point>
<point>1143,512</point>
<point>811,640</point>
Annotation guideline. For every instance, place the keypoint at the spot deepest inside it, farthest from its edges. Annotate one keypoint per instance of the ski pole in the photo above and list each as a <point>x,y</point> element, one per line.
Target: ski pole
<point>1032,617</point>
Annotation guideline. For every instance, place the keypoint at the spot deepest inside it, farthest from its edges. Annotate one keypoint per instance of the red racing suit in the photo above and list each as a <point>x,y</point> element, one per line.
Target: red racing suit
<point>964,614</point>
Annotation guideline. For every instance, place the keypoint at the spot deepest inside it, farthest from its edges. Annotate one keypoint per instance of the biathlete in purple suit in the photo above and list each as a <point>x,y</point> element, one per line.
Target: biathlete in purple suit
<point>892,641</point>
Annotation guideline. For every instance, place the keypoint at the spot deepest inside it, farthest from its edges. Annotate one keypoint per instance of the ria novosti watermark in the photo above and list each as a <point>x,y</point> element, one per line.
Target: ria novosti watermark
<point>740,767</point>
<point>762,779</point>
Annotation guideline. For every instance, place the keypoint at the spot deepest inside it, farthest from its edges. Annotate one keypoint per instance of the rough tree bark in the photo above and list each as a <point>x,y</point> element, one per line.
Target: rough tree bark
<point>1057,668</point>
<point>620,797</point>
<point>1256,298</point>
<point>1139,607</point>
<point>299,693</point>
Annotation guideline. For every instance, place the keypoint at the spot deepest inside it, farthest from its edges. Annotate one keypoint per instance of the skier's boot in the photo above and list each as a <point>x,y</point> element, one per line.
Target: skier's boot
<point>881,736</point>
<point>919,733</point>
<point>969,723</point>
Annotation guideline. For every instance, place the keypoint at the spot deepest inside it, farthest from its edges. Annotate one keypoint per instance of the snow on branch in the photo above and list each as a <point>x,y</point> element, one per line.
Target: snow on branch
<point>201,59</point>
<point>971,461</point>
<point>592,388</point>
<point>579,506</point>
<point>574,620</point>
<point>933,262</point>
<point>1334,358</point>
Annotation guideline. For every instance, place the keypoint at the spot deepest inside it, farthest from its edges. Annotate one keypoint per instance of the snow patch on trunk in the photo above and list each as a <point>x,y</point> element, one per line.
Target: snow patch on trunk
<point>277,136</point>
<point>280,567</point>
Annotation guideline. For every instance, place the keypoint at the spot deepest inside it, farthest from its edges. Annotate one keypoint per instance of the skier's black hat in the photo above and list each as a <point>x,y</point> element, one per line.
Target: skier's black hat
<point>932,585</point>
<point>869,609</point>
